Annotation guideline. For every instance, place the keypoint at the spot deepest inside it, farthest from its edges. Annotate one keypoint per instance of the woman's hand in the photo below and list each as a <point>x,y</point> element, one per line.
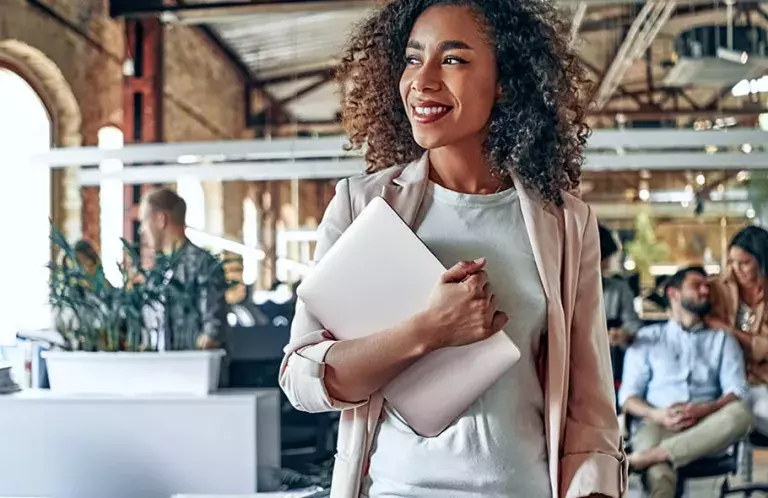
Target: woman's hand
<point>462,308</point>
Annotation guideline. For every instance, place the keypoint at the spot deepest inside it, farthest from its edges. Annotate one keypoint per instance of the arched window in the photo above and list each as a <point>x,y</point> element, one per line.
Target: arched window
<point>25,204</point>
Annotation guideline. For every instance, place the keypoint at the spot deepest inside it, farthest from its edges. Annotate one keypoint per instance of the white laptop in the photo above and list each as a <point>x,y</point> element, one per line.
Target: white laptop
<point>378,274</point>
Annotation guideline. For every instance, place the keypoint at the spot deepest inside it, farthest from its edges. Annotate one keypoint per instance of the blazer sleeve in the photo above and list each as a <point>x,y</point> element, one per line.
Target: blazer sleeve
<point>303,366</point>
<point>593,459</point>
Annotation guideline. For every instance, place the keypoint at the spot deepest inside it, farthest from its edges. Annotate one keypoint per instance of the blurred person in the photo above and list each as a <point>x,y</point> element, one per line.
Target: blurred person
<point>738,299</point>
<point>163,223</point>
<point>472,119</point>
<point>88,261</point>
<point>620,315</point>
<point>686,384</point>
<point>87,257</point>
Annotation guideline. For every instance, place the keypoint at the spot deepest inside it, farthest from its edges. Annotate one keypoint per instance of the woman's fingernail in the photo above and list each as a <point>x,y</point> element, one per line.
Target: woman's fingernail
<point>479,261</point>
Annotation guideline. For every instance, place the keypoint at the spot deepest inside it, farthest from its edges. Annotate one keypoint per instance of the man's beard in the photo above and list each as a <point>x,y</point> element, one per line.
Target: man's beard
<point>699,309</point>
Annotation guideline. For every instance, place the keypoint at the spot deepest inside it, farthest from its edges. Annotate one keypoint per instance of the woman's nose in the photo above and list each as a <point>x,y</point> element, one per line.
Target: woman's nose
<point>426,80</point>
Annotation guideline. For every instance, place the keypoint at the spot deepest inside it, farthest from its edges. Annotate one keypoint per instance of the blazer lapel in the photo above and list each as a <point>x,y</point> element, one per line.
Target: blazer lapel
<point>406,193</point>
<point>546,241</point>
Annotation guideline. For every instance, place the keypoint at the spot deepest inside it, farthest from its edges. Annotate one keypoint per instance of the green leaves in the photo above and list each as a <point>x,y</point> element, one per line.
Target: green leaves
<point>91,314</point>
<point>645,250</point>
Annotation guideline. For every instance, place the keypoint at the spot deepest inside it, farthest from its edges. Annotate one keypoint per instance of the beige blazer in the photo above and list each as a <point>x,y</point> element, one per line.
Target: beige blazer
<point>586,453</point>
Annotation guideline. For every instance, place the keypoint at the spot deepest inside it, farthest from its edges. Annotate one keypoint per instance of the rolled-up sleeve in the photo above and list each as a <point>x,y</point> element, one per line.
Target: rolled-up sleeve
<point>637,372</point>
<point>303,368</point>
<point>733,379</point>
<point>593,460</point>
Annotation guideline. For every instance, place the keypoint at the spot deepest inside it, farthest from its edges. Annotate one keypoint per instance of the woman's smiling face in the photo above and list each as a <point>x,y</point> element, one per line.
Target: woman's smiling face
<point>449,84</point>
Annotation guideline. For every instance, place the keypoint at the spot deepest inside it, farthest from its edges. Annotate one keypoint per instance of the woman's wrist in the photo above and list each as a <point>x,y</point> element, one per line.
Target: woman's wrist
<point>427,332</point>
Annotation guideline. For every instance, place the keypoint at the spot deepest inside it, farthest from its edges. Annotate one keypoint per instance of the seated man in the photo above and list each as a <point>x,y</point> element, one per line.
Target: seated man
<point>684,384</point>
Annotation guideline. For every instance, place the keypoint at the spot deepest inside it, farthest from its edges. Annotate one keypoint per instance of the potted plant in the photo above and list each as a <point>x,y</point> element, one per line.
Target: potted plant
<point>111,332</point>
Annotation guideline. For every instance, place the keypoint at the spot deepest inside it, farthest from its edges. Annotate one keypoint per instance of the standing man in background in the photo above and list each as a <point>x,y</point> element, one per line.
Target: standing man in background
<point>163,223</point>
<point>620,314</point>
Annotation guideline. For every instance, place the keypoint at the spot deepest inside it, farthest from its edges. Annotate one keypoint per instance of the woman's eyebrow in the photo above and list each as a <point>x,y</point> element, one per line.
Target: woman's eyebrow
<point>454,45</point>
<point>444,46</point>
<point>416,45</point>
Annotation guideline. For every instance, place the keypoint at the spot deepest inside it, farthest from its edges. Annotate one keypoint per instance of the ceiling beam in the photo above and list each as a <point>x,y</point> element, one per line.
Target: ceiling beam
<point>688,99</point>
<point>268,113</point>
<point>304,91</point>
<point>335,168</point>
<point>212,12</point>
<point>132,9</point>
<point>276,80</point>
<point>639,37</point>
<point>243,70</point>
<point>661,114</point>
<point>624,21</point>
<point>714,103</point>
<point>681,140</point>
<point>578,17</point>
<point>230,55</point>
<point>623,92</point>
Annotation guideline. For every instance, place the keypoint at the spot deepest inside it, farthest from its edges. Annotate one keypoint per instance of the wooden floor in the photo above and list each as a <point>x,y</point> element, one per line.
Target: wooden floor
<point>710,488</point>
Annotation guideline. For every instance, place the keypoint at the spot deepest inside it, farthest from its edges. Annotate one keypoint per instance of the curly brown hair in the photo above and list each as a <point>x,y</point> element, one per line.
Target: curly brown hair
<point>537,128</point>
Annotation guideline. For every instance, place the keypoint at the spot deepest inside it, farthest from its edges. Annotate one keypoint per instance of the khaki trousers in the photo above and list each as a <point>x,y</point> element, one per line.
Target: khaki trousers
<point>713,434</point>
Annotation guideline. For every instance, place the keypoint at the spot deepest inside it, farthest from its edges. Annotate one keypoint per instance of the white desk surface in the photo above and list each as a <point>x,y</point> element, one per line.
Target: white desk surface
<point>65,446</point>
<point>223,394</point>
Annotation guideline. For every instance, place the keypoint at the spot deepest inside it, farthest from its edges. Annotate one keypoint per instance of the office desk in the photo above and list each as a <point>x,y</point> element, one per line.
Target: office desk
<point>64,446</point>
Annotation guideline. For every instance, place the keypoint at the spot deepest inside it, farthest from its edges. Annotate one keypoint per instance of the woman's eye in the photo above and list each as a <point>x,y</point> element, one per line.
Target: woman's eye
<point>411,59</point>
<point>453,60</point>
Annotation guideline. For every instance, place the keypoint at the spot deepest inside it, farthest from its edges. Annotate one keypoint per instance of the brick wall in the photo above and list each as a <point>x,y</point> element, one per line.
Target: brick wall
<point>91,61</point>
<point>204,92</point>
<point>205,100</point>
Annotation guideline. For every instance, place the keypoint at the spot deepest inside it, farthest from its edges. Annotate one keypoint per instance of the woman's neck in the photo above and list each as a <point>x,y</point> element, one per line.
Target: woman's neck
<point>463,168</point>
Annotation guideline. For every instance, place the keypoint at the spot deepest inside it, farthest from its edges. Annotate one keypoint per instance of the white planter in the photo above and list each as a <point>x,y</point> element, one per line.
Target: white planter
<point>126,373</point>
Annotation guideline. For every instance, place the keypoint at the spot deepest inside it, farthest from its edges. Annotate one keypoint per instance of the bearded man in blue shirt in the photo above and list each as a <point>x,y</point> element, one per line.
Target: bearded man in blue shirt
<point>684,384</point>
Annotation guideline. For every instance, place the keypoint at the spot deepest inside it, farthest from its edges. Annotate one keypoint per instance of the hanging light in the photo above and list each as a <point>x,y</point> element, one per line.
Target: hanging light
<point>742,176</point>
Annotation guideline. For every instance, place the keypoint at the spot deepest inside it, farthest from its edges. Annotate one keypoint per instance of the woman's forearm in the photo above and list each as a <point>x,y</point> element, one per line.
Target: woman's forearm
<point>357,368</point>
<point>745,339</point>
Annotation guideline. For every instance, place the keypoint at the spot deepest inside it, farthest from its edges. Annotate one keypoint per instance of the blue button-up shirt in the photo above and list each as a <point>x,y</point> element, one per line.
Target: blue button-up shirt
<point>667,364</point>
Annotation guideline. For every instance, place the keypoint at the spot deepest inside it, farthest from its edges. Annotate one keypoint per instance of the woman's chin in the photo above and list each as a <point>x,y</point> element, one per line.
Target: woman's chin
<point>430,141</point>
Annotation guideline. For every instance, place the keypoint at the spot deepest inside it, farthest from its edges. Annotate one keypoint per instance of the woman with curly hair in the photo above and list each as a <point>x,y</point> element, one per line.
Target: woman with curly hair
<point>471,115</point>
